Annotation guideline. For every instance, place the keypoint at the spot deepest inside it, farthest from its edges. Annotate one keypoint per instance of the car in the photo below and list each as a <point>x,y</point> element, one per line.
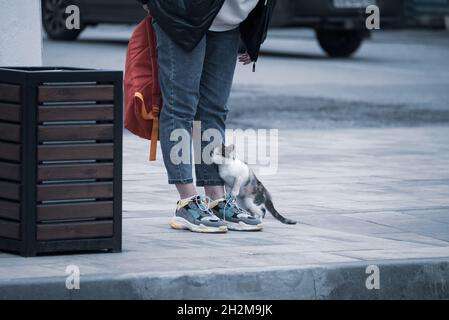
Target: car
<point>427,13</point>
<point>339,24</point>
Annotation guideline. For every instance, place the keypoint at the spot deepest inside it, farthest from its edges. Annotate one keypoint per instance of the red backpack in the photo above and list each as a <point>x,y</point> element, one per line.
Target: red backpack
<point>142,92</point>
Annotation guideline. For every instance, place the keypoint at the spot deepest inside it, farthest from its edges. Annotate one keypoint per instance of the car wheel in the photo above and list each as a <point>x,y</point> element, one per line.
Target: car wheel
<point>54,20</point>
<point>340,43</point>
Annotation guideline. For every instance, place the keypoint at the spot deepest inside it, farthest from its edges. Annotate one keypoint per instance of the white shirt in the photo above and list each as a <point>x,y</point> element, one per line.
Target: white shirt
<point>232,14</point>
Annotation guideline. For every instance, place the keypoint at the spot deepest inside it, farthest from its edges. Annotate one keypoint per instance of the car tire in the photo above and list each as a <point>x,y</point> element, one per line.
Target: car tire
<point>53,20</point>
<point>340,43</point>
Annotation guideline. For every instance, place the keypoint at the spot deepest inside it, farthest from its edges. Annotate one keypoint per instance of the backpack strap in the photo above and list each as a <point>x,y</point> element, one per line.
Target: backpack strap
<point>156,91</point>
<point>154,116</point>
<point>155,88</point>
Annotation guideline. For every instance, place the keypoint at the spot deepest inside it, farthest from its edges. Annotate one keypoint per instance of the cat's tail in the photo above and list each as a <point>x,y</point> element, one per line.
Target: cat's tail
<point>270,207</point>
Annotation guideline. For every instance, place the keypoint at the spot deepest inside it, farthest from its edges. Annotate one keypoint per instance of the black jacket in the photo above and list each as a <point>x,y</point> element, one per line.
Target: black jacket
<point>187,21</point>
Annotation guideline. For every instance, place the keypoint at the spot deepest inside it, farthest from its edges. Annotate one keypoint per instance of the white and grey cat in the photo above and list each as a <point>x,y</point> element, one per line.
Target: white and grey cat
<point>242,183</point>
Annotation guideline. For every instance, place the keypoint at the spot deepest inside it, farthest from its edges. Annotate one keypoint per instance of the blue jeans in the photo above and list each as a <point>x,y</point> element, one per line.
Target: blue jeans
<point>195,86</point>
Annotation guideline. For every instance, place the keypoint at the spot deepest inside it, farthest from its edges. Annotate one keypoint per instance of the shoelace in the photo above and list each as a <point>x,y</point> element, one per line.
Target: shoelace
<point>231,203</point>
<point>201,202</point>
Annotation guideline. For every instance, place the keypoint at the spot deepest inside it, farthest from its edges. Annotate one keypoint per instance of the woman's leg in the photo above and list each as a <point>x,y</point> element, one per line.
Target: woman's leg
<point>180,77</point>
<point>187,190</point>
<point>215,87</point>
<point>214,192</point>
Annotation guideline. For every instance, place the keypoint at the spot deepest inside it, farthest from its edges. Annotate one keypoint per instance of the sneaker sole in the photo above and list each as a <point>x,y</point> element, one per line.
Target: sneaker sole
<point>241,226</point>
<point>179,223</point>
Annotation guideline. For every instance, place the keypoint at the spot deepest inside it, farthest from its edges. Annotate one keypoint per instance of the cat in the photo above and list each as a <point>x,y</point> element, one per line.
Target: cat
<point>242,183</point>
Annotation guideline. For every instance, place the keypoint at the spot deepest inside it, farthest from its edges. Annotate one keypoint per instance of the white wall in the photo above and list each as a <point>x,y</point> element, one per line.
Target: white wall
<point>20,33</point>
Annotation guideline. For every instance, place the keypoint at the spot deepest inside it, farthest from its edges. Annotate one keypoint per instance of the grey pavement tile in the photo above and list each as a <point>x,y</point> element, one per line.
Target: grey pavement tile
<point>441,214</point>
<point>346,224</point>
<point>407,223</point>
<point>418,253</point>
<point>414,238</point>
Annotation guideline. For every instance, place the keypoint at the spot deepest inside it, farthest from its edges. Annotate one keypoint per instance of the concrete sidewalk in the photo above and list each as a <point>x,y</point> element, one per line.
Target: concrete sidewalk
<point>363,197</point>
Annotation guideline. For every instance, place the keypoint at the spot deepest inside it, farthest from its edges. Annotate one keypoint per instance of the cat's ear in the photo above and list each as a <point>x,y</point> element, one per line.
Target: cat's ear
<point>223,150</point>
<point>229,153</point>
<point>230,148</point>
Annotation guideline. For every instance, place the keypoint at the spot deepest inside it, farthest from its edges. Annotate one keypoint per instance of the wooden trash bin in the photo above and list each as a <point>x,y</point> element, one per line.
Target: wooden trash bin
<point>60,160</point>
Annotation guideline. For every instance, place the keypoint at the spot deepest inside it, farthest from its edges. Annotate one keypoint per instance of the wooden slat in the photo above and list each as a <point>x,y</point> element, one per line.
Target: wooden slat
<point>9,92</point>
<point>9,132</point>
<point>9,229</point>
<point>79,171</point>
<point>9,112</point>
<point>73,133</point>
<point>99,209</point>
<point>9,190</point>
<point>9,171</point>
<point>70,191</point>
<point>9,210</point>
<point>75,245</point>
<point>76,113</point>
<point>94,151</point>
<point>76,93</point>
<point>76,230</point>
<point>9,151</point>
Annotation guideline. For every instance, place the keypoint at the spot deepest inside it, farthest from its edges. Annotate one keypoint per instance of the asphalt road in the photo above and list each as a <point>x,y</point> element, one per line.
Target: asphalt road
<point>398,78</point>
